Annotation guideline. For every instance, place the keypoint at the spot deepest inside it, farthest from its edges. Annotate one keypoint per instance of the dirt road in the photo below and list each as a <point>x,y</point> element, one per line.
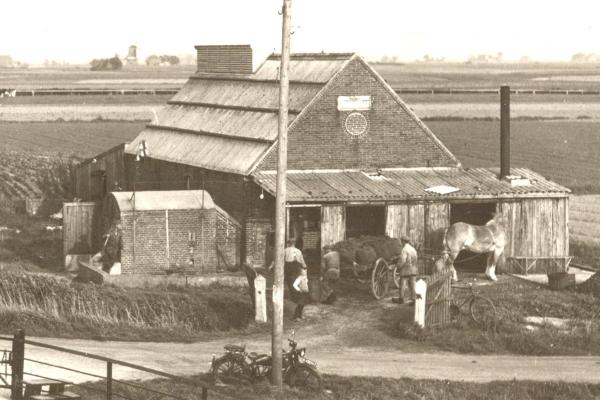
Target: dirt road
<point>186,359</point>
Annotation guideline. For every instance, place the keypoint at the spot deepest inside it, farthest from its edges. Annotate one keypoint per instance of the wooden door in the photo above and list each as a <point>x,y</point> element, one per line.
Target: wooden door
<point>333,224</point>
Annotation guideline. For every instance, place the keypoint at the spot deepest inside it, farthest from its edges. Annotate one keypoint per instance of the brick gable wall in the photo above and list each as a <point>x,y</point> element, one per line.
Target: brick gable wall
<point>394,139</point>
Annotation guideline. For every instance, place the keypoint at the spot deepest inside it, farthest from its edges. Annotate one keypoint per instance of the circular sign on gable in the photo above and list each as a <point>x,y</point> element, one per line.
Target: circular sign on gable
<point>356,124</point>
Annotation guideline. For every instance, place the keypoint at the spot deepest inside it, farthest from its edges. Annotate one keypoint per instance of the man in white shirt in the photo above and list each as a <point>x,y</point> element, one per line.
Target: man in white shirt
<point>294,266</point>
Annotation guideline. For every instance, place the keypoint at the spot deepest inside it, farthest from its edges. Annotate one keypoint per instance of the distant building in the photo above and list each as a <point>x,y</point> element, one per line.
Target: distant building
<point>131,58</point>
<point>6,61</point>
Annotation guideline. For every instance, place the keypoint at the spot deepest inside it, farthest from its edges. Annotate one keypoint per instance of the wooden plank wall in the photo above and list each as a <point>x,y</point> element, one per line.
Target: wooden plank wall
<point>536,228</point>
<point>333,224</point>
<point>423,223</point>
<point>437,219</point>
<point>112,162</point>
<point>82,228</point>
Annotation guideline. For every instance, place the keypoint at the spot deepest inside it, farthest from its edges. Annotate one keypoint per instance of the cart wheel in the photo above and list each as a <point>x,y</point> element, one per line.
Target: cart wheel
<point>379,279</point>
<point>396,274</point>
<point>483,312</point>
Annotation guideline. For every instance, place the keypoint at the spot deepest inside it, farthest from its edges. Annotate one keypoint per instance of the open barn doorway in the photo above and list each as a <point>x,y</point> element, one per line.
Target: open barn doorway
<point>304,225</point>
<point>365,221</point>
<point>474,214</point>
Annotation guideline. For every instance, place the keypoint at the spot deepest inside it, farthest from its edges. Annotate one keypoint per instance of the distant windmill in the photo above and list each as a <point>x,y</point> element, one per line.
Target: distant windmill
<point>131,58</point>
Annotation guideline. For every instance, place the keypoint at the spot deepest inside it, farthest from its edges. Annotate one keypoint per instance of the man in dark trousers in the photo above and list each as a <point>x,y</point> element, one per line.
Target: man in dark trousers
<point>294,263</point>
<point>407,266</point>
<point>330,274</point>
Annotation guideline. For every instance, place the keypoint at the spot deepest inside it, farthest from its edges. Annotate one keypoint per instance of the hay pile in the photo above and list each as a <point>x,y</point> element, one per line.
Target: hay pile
<point>366,250</point>
<point>591,286</point>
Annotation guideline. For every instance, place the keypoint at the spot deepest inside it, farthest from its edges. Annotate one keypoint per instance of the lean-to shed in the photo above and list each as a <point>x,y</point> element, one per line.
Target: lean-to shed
<point>164,231</point>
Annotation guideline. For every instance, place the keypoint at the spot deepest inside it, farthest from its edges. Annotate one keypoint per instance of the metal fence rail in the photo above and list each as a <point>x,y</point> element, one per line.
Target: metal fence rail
<point>17,360</point>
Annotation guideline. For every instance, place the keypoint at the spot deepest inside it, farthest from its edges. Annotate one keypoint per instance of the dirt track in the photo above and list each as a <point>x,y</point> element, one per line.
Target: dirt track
<point>193,358</point>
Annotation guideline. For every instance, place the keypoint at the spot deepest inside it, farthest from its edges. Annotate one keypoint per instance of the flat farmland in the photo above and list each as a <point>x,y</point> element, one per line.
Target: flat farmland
<point>584,229</point>
<point>28,151</point>
<point>549,76</point>
<point>563,151</point>
<point>74,77</point>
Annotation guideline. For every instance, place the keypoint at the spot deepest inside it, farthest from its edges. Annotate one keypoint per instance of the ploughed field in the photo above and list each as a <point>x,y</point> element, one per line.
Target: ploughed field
<point>563,151</point>
<point>30,152</point>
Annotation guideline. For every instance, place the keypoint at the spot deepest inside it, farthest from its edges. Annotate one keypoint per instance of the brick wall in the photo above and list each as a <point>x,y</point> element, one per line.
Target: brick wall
<point>208,226</point>
<point>257,230</point>
<point>393,138</point>
<point>228,235</point>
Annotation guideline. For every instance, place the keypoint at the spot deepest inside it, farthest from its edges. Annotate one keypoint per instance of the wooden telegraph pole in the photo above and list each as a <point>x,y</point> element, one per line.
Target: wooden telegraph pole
<point>280,201</point>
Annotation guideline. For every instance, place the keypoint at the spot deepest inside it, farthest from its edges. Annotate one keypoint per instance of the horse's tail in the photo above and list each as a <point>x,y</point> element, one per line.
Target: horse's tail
<point>445,240</point>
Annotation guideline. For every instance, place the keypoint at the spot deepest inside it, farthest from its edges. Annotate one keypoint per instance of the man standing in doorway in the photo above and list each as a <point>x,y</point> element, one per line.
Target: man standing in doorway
<point>294,266</point>
<point>407,266</point>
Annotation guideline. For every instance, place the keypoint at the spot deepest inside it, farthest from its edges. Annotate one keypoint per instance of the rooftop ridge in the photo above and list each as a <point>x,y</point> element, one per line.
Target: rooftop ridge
<point>317,56</point>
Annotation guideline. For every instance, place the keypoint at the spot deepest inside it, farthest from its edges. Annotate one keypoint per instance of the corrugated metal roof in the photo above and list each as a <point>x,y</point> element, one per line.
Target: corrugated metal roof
<point>408,184</point>
<point>304,67</point>
<point>164,200</point>
<point>243,93</point>
<point>227,122</point>
<point>223,121</point>
<point>205,151</point>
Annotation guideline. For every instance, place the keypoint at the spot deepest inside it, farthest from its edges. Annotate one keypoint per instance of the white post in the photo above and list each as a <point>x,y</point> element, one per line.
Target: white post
<point>420,302</point>
<point>260,300</point>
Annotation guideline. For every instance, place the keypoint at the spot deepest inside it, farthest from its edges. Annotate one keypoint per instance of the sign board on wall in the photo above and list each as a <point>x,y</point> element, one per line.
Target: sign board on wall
<point>354,103</point>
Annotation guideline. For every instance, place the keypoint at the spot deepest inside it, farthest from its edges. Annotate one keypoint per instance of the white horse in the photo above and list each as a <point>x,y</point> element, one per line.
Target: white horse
<point>489,238</point>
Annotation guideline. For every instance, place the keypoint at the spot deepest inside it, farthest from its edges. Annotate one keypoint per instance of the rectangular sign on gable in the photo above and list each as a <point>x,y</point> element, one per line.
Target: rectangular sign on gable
<point>354,103</point>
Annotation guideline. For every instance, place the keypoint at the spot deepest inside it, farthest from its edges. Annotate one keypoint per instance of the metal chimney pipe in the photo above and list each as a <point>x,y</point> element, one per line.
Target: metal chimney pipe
<point>504,131</point>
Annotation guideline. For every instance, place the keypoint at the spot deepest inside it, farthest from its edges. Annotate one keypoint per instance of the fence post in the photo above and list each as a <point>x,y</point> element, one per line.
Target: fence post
<point>204,393</point>
<point>420,302</point>
<point>260,301</point>
<point>108,380</point>
<point>18,355</point>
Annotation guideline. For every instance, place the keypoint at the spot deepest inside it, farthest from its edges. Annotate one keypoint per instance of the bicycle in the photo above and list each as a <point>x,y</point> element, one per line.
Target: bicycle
<point>238,366</point>
<point>481,309</point>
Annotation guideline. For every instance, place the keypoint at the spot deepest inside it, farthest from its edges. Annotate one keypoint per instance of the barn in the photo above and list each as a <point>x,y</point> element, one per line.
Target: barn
<point>360,161</point>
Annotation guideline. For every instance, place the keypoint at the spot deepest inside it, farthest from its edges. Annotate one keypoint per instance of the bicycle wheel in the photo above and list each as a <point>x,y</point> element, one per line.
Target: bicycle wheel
<point>229,369</point>
<point>483,312</point>
<point>305,377</point>
<point>379,279</point>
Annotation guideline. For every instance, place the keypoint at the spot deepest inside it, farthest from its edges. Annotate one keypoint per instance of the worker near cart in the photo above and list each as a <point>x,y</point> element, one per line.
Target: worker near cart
<point>330,274</point>
<point>294,267</point>
<point>407,266</point>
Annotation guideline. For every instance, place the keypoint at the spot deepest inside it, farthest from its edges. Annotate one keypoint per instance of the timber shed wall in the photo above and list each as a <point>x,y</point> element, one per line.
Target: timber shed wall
<point>112,162</point>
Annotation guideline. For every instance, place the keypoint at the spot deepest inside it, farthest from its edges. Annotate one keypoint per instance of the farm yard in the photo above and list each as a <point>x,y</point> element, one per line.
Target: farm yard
<point>41,136</point>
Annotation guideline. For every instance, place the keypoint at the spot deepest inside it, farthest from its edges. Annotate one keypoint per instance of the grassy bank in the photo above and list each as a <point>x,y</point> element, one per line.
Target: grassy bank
<point>363,388</point>
<point>515,300</point>
<point>45,305</point>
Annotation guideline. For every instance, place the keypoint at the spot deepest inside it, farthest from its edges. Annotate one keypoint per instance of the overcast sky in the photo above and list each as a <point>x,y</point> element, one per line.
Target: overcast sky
<point>78,30</point>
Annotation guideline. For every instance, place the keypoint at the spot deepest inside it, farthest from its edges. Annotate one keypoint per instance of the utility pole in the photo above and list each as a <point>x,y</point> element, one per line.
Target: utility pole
<point>280,201</point>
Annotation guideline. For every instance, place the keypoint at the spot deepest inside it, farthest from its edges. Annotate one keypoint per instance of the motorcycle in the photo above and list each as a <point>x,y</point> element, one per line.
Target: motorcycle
<point>239,366</point>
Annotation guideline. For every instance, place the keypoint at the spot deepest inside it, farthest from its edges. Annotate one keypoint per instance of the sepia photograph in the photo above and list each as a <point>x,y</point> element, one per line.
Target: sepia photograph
<point>299,199</point>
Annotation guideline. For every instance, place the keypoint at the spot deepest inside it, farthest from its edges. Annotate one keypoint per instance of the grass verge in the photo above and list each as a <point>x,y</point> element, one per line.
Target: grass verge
<point>515,300</point>
<point>46,305</point>
<point>365,388</point>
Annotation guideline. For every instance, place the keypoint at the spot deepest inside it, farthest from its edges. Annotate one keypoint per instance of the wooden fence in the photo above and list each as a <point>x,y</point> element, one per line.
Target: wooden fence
<point>25,384</point>
<point>438,298</point>
<point>82,228</point>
